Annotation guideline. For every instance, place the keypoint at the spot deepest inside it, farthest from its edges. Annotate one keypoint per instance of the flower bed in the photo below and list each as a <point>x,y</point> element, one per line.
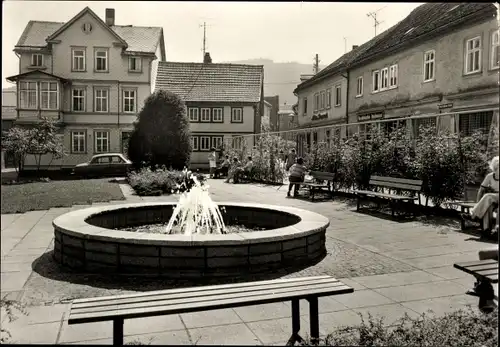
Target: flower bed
<point>147,182</point>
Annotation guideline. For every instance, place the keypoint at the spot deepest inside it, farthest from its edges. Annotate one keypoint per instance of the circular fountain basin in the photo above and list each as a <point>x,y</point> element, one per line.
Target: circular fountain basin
<point>85,240</point>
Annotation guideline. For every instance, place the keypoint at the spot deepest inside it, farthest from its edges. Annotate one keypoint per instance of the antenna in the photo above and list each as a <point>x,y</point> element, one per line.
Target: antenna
<point>374,16</point>
<point>204,38</point>
<point>345,44</point>
<point>316,64</point>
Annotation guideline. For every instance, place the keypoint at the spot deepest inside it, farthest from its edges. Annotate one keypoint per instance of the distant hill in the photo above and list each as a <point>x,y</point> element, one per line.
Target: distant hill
<point>280,78</point>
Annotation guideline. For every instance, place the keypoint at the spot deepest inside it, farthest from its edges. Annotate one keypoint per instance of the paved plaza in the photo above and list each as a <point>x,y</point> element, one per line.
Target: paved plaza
<point>394,267</point>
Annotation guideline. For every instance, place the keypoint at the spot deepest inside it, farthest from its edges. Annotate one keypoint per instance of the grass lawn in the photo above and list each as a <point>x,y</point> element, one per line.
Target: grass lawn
<point>21,198</point>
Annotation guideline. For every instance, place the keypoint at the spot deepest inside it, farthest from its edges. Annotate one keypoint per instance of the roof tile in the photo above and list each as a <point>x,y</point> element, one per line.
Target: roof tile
<point>211,82</point>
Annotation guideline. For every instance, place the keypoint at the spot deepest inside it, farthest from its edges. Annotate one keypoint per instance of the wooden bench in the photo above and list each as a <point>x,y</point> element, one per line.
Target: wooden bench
<point>486,271</point>
<point>319,183</point>
<point>391,183</point>
<point>176,301</point>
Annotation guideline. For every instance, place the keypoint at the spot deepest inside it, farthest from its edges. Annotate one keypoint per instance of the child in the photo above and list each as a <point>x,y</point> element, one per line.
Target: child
<point>297,173</point>
<point>212,157</point>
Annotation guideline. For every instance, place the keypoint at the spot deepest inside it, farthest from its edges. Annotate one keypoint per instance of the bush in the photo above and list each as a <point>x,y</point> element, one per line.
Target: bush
<point>161,136</point>
<point>9,307</point>
<point>460,328</point>
<point>148,182</point>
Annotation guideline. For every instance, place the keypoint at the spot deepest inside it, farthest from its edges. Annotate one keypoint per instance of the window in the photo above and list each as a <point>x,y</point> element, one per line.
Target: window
<point>389,127</point>
<point>316,102</point>
<point>78,59</point>
<point>135,64</point>
<point>194,143</point>
<point>101,100</point>
<point>338,95</point>
<point>429,58</point>
<point>78,142</point>
<point>37,60</point>
<point>327,136</point>
<point>236,115</point>
<point>217,141</point>
<point>205,115</point>
<point>129,103</point>
<point>237,141</point>
<point>393,76</point>
<point>125,141</point>
<point>472,122</point>
<point>328,98</point>
<point>359,86</point>
<point>473,55</point>
<point>423,122</point>
<point>376,81</point>
<point>101,144</point>
<point>217,116</point>
<point>78,100</point>
<point>495,49</point>
<point>194,114</point>
<point>305,106</point>
<point>49,96</point>
<point>28,95</point>
<point>204,143</point>
<point>322,100</point>
<point>101,60</point>
<point>115,159</point>
<point>384,79</point>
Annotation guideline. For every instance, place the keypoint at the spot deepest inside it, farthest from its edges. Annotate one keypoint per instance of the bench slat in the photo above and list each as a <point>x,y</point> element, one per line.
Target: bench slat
<point>264,298</point>
<point>486,269</point>
<point>391,196</point>
<point>323,175</point>
<point>186,291</point>
<point>398,180</point>
<point>188,296</point>
<point>395,185</point>
<point>317,185</point>
<point>476,263</point>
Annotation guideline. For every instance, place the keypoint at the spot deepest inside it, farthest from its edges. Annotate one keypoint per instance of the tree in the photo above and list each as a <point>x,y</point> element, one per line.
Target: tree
<point>161,136</point>
<point>16,141</point>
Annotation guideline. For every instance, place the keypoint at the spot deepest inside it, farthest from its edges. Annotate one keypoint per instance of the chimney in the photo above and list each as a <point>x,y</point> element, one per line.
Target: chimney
<point>110,16</point>
<point>354,47</point>
<point>207,59</point>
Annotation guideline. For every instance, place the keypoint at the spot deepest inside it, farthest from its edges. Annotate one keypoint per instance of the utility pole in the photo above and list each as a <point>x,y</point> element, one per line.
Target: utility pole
<point>316,64</point>
<point>204,37</point>
<point>374,16</point>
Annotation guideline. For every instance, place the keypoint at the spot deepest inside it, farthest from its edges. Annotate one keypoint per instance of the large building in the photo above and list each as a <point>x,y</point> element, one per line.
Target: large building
<point>225,102</point>
<point>90,75</point>
<point>442,58</point>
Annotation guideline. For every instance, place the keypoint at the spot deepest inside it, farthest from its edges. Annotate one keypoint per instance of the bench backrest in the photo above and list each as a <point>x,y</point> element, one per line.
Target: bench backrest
<point>322,176</point>
<point>396,183</point>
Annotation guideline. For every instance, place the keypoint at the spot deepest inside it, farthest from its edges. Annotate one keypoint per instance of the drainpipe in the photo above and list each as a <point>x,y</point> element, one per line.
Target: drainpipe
<point>347,101</point>
<point>17,86</point>
<point>118,118</point>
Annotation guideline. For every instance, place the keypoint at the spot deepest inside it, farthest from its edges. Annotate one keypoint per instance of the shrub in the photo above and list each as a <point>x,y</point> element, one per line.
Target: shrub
<point>459,328</point>
<point>9,306</point>
<point>147,182</point>
<point>161,136</point>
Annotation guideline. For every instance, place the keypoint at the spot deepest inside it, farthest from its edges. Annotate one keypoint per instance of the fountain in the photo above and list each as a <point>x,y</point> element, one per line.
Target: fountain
<point>195,238</point>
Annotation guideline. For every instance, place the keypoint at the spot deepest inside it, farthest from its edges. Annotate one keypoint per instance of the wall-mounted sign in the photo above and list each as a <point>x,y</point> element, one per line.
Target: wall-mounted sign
<point>370,116</point>
<point>448,105</point>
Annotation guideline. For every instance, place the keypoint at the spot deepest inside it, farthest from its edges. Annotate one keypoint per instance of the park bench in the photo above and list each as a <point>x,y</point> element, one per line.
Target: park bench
<point>185,300</point>
<point>319,185</point>
<point>391,183</point>
<point>486,271</point>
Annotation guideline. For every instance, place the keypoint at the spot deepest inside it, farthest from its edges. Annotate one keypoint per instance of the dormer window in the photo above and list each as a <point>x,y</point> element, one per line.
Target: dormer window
<point>37,60</point>
<point>135,64</point>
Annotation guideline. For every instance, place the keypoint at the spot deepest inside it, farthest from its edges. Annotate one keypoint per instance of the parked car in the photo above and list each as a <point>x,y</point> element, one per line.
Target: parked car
<point>109,164</point>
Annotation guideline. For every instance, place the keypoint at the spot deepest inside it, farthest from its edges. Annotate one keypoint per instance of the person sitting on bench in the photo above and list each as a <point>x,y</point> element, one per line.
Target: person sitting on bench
<point>487,198</point>
<point>297,174</point>
<point>223,169</point>
<point>235,166</point>
<point>245,170</point>
<point>480,286</point>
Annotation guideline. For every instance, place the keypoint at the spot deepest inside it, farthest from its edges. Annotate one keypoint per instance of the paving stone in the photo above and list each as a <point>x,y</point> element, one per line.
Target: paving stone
<point>84,332</point>
<point>43,314</point>
<point>363,298</point>
<point>391,313</point>
<point>152,324</point>
<point>261,312</point>
<point>231,334</point>
<point>210,318</point>
<point>448,272</point>
<point>330,321</point>
<point>351,282</point>
<point>442,305</point>
<point>13,281</point>
<point>276,330</point>
<point>421,291</point>
<point>325,304</point>
<point>396,279</point>
<point>441,260</point>
<point>175,337</point>
<point>34,334</point>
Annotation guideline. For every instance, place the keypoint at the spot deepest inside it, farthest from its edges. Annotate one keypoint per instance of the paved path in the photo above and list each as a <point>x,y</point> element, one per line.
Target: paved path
<point>395,268</point>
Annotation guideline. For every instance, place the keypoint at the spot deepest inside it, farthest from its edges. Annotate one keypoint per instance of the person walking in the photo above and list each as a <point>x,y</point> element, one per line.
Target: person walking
<point>212,161</point>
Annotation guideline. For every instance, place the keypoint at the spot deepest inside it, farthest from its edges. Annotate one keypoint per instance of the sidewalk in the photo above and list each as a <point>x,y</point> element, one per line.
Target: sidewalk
<point>393,267</point>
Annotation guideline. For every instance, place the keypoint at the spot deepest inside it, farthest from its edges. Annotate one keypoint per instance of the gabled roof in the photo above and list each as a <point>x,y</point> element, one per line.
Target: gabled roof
<point>78,16</point>
<point>211,81</point>
<point>138,39</point>
<point>423,22</point>
<point>16,77</point>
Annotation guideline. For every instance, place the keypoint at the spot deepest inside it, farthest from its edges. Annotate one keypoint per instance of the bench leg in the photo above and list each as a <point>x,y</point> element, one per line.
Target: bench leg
<point>314,319</point>
<point>357,203</point>
<point>295,323</point>
<point>486,295</point>
<point>118,332</point>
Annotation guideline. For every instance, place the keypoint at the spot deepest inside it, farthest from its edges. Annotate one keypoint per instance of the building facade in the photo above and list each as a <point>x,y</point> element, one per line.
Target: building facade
<point>225,103</point>
<point>89,75</point>
<point>416,71</point>
<point>9,115</point>
<point>275,106</point>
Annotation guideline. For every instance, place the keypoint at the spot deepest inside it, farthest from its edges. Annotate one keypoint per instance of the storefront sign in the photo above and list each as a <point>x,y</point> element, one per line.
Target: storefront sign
<point>370,116</point>
<point>449,105</point>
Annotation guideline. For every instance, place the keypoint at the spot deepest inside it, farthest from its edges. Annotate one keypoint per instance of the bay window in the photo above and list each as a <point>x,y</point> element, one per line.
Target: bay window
<point>28,96</point>
<point>49,96</point>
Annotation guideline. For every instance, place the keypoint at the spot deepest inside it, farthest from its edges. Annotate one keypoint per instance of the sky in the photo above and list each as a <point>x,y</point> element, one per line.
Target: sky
<point>280,31</point>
